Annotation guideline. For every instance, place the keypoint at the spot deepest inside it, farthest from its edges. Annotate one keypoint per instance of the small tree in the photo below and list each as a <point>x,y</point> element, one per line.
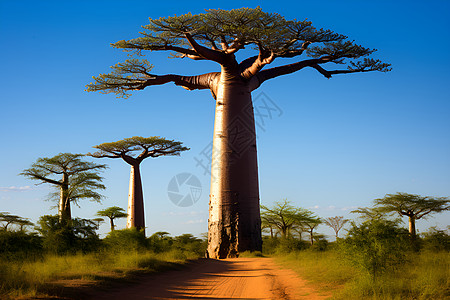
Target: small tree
<point>75,179</point>
<point>153,146</point>
<point>336,223</point>
<point>310,226</point>
<point>113,212</point>
<point>413,206</point>
<point>9,219</point>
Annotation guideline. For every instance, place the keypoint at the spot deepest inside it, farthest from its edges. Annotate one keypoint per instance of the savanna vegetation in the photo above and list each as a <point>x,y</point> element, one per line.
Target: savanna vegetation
<point>39,263</point>
<point>376,259</point>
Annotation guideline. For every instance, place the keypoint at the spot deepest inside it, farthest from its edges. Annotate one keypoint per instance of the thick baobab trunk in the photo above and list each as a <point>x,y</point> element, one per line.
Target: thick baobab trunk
<point>234,218</point>
<point>64,202</point>
<point>135,200</point>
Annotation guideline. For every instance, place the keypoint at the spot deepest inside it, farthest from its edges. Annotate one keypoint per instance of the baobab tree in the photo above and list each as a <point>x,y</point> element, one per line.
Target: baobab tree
<point>74,177</point>
<point>336,223</point>
<point>217,35</point>
<point>113,212</point>
<point>412,206</point>
<point>153,146</point>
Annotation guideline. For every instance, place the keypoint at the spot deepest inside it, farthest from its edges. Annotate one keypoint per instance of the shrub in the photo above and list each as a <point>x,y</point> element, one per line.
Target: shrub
<point>19,245</point>
<point>129,239</point>
<point>436,240</point>
<point>375,246</point>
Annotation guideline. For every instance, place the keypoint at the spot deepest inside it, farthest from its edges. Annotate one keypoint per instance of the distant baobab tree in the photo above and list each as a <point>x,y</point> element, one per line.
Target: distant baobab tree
<point>217,35</point>
<point>415,207</point>
<point>153,146</point>
<point>75,179</point>
<point>336,223</point>
<point>113,212</point>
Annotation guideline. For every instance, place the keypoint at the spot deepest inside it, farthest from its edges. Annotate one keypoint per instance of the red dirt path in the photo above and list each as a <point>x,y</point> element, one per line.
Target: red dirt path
<point>242,278</point>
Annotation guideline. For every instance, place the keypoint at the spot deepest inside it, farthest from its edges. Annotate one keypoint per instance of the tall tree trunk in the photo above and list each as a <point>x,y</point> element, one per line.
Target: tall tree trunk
<point>234,223</point>
<point>64,201</point>
<point>135,200</point>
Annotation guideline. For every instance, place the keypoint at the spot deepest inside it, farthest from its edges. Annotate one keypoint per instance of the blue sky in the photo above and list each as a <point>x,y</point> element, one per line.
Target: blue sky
<point>333,145</point>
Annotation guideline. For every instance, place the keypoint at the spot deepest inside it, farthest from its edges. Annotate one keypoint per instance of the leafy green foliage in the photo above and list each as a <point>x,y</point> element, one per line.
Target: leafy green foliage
<point>411,205</point>
<point>8,219</point>
<point>19,245</point>
<point>73,177</point>
<point>283,217</point>
<point>113,212</point>
<point>61,238</point>
<point>124,240</point>
<point>436,240</point>
<point>375,246</point>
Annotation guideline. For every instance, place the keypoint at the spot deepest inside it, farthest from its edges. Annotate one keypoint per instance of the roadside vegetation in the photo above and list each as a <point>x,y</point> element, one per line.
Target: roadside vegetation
<point>34,264</point>
<point>376,259</point>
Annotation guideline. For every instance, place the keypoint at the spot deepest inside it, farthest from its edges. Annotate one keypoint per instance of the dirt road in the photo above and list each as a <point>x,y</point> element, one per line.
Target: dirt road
<point>242,278</point>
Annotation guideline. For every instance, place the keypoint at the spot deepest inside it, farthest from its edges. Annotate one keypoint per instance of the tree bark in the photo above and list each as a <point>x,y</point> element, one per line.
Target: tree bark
<point>64,201</point>
<point>234,223</point>
<point>111,221</point>
<point>412,233</point>
<point>135,200</point>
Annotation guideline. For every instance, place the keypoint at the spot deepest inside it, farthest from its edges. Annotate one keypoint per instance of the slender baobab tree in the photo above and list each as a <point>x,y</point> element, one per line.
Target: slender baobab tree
<point>153,146</point>
<point>75,179</point>
<point>217,35</point>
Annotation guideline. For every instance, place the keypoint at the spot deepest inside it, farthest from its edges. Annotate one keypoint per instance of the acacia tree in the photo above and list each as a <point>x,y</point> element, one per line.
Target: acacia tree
<point>413,206</point>
<point>153,146</point>
<point>75,179</point>
<point>310,226</point>
<point>9,219</point>
<point>283,216</point>
<point>336,223</point>
<point>113,212</point>
<point>217,35</point>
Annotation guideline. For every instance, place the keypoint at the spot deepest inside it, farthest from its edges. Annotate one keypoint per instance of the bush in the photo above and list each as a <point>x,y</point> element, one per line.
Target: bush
<point>19,245</point>
<point>375,246</point>
<point>77,235</point>
<point>287,245</point>
<point>126,240</point>
<point>436,240</point>
<point>320,243</point>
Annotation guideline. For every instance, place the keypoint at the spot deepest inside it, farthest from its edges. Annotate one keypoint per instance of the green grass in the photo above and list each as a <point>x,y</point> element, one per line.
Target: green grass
<point>30,278</point>
<point>425,276</point>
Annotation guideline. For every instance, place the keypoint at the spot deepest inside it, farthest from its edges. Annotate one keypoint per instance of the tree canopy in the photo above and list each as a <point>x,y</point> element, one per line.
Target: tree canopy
<point>74,177</point>
<point>283,216</point>
<point>113,212</point>
<point>126,149</point>
<point>8,219</point>
<point>218,34</point>
<point>412,205</point>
